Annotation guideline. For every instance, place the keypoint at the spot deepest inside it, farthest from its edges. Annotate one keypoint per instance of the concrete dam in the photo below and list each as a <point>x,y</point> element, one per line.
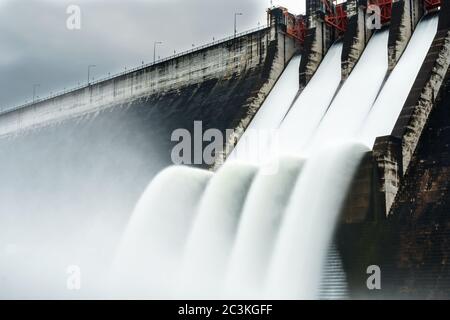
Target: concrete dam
<point>334,164</point>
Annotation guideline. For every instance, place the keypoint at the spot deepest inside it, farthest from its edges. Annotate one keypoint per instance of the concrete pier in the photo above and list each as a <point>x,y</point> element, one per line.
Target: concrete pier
<point>319,38</point>
<point>356,37</point>
<point>426,89</point>
<point>405,16</point>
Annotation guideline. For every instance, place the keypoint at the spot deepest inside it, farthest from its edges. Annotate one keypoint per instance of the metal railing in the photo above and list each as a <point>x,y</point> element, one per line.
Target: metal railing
<point>144,66</point>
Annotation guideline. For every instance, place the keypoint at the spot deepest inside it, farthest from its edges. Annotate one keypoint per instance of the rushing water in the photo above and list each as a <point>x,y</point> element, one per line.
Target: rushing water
<point>246,232</point>
<point>251,233</point>
<point>384,113</point>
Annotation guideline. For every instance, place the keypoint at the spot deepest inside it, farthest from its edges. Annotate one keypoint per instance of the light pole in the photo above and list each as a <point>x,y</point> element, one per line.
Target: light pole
<point>154,50</point>
<point>34,91</point>
<point>89,72</point>
<point>235,21</point>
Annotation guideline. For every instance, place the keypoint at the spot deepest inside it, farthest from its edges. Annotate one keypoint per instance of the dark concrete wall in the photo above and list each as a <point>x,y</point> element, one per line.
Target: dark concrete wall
<point>405,16</point>
<point>425,89</point>
<point>224,60</point>
<point>406,227</point>
<point>412,245</point>
<point>355,38</point>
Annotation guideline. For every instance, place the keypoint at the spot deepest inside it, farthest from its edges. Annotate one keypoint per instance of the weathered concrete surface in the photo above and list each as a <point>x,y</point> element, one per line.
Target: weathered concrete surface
<point>387,155</point>
<point>421,211</point>
<point>405,16</point>
<point>268,49</point>
<point>425,90</point>
<point>406,231</point>
<point>281,50</point>
<point>319,38</point>
<point>356,37</point>
<point>412,245</point>
<point>359,205</point>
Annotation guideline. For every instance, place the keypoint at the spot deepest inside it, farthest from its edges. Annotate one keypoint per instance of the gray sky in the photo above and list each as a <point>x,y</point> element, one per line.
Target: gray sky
<point>37,48</point>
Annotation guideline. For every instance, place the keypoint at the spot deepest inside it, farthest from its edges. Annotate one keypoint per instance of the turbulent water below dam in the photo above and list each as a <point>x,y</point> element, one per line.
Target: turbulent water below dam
<point>243,231</point>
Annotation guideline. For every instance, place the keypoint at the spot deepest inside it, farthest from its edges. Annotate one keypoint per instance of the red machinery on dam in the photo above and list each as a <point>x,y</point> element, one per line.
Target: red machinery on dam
<point>334,13</point>
<point>296,25</point>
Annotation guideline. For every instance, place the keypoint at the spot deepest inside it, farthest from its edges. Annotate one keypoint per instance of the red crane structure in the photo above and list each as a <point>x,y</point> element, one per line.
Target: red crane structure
<point>299,28</point>
<point>295,24</point>
<point>335,15</point>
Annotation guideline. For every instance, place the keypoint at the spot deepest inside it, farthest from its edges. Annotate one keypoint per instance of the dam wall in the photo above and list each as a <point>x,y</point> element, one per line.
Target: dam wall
<point>74,166</point>
<point>420,212</point>
<point>411,246</point>
<point>406,229</point>
<point>405,16</point>
<point>426,88</point>
<point>355,38</point>
<point>319,38</point>
<point>267,50</point>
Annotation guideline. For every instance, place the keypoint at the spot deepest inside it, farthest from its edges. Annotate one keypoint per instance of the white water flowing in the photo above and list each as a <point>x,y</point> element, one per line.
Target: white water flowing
<point>212,234</point>
<point>387,108</point>
<point>334,279</point>
<point>258,229</point>
<point>355,98</point>
<point>269,115</point>
<point>306,232</point>
<point>243,233</point>
<point>147,260</point>
<point>312,104</point>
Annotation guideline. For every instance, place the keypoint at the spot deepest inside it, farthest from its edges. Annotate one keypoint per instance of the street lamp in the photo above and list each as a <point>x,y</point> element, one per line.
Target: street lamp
<point>154,50</point>
<point>34,91</point>
<point>89,72</point>
<point>235,21</point>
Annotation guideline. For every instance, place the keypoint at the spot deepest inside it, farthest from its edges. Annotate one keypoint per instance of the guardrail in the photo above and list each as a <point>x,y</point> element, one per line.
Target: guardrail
<point>60,93</point>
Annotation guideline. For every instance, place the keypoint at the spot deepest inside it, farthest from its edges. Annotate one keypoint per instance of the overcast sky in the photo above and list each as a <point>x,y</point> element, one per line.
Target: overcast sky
<point>37,48</point>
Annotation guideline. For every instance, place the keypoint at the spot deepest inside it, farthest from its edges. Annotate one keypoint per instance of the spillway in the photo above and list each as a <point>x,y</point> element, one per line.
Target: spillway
<point>256,234</point>
<point>145,264</point>
<point>267,235</point>
<point>310,107</point>
<point>355,98</point>
<point>263,225</point>
<point>269,116</point>
<point>213,231</point>
<point>305,235</point>
<point>384,113</point>
<point>258,229</point>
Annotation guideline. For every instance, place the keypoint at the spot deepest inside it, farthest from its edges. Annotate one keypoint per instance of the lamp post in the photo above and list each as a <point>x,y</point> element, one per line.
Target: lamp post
<point>89,72</point>
<point>154,50</point>
<point>235,22</point>
<point>34,91</point>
